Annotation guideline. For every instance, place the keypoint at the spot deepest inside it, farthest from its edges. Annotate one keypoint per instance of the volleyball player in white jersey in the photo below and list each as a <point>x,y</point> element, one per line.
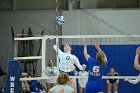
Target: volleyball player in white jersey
<point>67,62</point>
<point>51,70</point>
<point>82,81</point>
<point>137,66</point>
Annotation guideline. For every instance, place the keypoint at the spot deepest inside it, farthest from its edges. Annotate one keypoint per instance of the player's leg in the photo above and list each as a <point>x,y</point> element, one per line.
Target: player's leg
<point>90,88</point>
<point>48,86</point>
<point>115,86</point>
<point>109,87</point>
<point>73,84</point>
<point>80,89</point>
<point>98,87</point>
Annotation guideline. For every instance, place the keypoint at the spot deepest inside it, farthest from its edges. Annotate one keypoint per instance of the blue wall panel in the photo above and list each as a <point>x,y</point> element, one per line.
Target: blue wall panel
<point>121,57</point>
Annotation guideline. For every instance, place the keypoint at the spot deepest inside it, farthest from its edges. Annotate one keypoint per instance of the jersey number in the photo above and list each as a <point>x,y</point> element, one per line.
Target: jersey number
<point>96,69</point>
<point>67,57</point>
<point>61,91</point>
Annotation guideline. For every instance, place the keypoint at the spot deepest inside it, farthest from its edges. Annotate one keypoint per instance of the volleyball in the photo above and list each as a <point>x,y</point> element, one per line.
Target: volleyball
<point>60,20</point>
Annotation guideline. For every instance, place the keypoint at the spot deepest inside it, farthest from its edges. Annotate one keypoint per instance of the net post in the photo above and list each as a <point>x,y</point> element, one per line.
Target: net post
<point>43,55</point>
<point>57,58</point>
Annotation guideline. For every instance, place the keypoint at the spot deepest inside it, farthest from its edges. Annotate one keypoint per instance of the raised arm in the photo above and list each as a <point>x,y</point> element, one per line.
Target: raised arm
<point>97,46</point>
<point>136,60</point>
<point>85,49</point>
<point>77,63</point>
<point>55,47</point>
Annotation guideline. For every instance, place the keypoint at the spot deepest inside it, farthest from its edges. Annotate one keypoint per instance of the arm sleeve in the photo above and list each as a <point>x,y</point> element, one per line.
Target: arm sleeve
<point>77,63</point>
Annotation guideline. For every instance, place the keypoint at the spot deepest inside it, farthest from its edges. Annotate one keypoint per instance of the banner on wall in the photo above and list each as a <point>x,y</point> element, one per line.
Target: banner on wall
<point>13,77</point>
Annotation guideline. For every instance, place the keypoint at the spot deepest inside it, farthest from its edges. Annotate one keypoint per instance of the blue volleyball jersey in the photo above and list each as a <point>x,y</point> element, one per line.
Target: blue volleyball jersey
<point>95,70</point>
<point>35,87</point>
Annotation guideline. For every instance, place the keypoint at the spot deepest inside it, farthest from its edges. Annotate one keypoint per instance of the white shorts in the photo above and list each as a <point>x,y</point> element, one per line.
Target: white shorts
<point>82,84</point>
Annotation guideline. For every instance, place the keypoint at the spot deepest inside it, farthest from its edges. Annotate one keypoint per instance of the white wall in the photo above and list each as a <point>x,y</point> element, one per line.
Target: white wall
<point>100,22</point>
<point>88,4</point>
<point>37,20</point>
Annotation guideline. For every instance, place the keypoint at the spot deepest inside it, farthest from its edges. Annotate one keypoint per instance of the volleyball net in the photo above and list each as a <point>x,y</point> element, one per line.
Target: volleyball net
<point>120,51</point>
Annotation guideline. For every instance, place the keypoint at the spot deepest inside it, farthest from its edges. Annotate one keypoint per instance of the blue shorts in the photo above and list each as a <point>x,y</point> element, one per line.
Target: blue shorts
<point>71,73</point>
<point>94,87</point>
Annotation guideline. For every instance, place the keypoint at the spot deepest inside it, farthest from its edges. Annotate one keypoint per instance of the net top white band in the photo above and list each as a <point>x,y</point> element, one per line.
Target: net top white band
<point>29,57</point>
<point>75,36</point>
<point>103,77</point>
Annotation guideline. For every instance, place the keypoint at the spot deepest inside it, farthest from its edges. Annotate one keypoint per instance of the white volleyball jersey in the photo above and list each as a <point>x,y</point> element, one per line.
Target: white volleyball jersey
<point>83,81</point>
<point>67,61</point>
<point>51,71</point>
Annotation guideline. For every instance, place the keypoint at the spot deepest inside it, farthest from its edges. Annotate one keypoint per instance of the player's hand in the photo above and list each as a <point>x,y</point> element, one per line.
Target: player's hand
<point>84,66</point>
<point>97,45</point>
<point>84,41</point>
<point>55,46</point>
<point>138,50</point>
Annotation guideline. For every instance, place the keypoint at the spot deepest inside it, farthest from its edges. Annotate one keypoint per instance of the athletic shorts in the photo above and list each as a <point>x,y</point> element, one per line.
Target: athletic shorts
<point>112,81</point>
<point>71,73</point>
<point>94,87</point>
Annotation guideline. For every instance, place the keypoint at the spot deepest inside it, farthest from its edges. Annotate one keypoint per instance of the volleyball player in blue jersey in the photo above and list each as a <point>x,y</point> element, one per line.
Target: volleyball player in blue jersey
<point>94,83</point>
